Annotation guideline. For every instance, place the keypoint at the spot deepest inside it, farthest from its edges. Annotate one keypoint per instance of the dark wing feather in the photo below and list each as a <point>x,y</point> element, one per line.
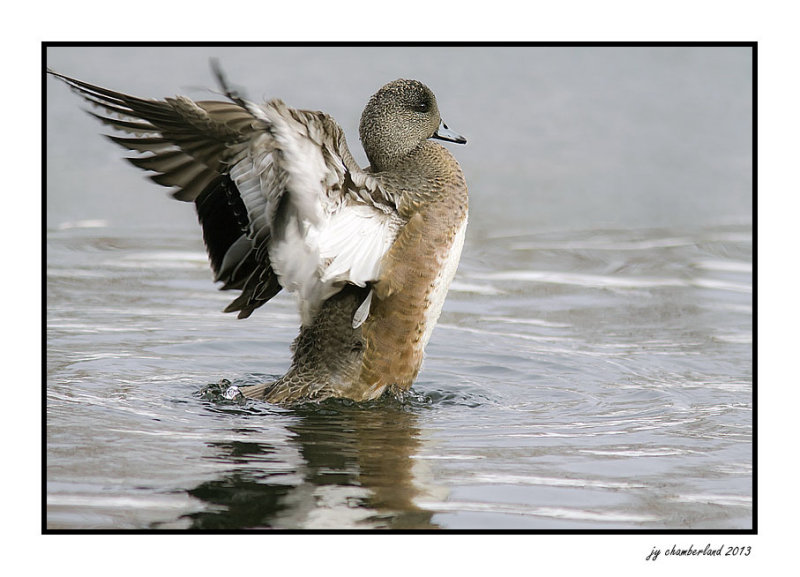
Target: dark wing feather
<point>188,146</point>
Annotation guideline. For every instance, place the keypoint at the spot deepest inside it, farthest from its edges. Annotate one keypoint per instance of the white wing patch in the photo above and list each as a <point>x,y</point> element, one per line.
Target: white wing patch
<point>347,246</point>
<point>354,242</point>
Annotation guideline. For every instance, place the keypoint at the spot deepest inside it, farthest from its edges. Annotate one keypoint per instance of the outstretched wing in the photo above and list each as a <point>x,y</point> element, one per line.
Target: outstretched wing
<point>281,200</point>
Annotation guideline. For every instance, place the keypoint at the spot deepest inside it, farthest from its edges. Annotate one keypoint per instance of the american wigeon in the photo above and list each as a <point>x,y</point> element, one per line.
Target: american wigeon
<point>369,253</point>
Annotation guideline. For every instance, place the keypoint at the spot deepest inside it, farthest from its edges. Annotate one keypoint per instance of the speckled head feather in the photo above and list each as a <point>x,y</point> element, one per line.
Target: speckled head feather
<point>397,118</point>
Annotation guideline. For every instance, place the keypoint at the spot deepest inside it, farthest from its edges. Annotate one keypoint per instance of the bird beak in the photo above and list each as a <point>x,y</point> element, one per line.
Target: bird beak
<point>444,133</point>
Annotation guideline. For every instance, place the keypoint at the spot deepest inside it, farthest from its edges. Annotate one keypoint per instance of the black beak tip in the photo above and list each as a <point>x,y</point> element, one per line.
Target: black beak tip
<point>444,133</point>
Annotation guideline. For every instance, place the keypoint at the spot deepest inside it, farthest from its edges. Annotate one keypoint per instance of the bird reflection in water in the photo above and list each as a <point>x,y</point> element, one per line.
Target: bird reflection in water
<point>355,472</point>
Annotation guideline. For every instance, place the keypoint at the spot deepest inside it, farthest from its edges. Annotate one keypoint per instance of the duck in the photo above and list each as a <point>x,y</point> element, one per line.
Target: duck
<point>368,253</point>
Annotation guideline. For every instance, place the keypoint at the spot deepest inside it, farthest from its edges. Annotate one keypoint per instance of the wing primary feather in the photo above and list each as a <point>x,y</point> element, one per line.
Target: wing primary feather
<point>222,81</point>
<point>126,125</point>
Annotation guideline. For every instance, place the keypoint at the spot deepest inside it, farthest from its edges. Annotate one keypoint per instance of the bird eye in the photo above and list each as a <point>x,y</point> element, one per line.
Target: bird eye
<point>421,106</point>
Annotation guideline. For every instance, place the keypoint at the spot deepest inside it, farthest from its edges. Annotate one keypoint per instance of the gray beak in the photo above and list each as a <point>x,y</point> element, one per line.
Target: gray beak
<point>444,133</point>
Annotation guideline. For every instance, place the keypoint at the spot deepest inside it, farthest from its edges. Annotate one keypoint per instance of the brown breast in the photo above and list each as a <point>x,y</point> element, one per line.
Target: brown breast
<point>410,279</point>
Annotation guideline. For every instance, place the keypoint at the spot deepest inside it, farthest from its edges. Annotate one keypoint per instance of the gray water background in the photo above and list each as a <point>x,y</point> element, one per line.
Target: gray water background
<point>593,364</point>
